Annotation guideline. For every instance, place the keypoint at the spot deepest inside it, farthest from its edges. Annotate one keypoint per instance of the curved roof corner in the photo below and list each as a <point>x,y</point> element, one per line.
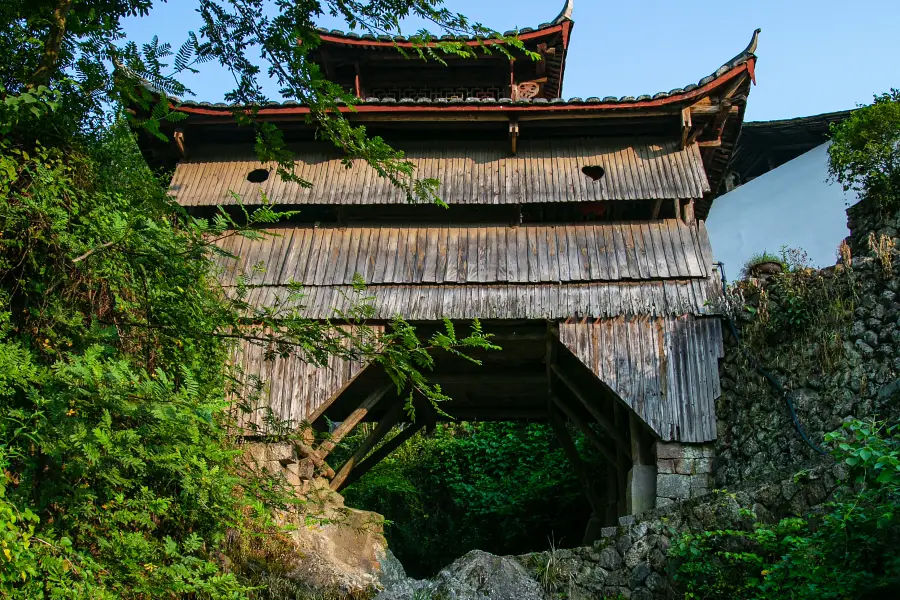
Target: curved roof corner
<point>566,13</point>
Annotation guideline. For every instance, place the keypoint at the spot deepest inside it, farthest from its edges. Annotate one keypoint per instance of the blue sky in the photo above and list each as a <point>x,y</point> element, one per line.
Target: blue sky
<point>814,55</point>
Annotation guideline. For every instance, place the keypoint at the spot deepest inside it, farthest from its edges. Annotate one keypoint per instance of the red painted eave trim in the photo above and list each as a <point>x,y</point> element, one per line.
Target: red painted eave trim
<point>564,27</point>
<point>510,108</point>
<point>566,32</point>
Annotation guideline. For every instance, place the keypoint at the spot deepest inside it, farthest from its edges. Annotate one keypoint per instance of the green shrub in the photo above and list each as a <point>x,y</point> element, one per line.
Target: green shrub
<point>758,259</point>
<point>505,488</point>
<point>850,549</point>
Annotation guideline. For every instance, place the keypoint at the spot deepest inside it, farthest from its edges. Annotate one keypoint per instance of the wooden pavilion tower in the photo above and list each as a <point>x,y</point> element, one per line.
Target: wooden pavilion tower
<point>575,232</point>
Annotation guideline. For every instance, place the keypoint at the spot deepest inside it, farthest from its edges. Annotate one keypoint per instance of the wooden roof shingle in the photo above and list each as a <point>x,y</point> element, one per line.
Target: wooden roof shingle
<point>543,171</point>
<point>332,256</point>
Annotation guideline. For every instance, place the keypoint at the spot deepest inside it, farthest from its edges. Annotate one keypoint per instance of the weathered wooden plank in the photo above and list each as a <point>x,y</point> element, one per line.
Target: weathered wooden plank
<point>378,239</point>
<point>634,237</point>
<point>664,263</point>
<point>506,247</point>
<point>557,254</point>
<point>673,239</point>
<point>691,250</point>
<point>591,406</point>
<point>471,172</point>
<point>551,253</point>
<point>421,251</point>
<point>472,254</point>
<point>381,453</point>
<point>705,248</point>
<point>390,419</point>
<point>624,254</point>
<point>452,272</point>
<point>484,242</point>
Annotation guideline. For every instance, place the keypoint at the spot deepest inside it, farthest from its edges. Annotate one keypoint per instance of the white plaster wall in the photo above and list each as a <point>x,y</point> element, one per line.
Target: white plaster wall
<point>792,205</point>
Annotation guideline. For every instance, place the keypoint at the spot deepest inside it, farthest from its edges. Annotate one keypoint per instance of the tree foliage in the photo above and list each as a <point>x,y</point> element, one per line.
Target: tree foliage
<point>864,156</point>
<point>850,549</point>
<point>506,488</point>
<point>119,475</point>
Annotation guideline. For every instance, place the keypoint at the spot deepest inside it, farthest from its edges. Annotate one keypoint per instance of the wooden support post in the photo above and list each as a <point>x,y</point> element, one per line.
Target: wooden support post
<point>514,134</point>
<point>571,452</point>
<point>657,206</point>
<point>550,353</point>
<point>609,453</point>
<point>323,408</point>
<point>689,212</point>
<point>379,455</point>
<point>686,125</point>
<point>695,133</point>
<point>351,421</point>
<point>384,425</point>
<point>179,142</point>
<point>540,66</point>
<point>308,453</point>
<point>356,82</point>
<point>718,124</point>
<point>592,408</point>
<point>677,204</point>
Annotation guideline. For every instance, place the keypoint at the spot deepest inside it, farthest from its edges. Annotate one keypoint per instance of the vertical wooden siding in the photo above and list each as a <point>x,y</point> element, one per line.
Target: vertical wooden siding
<point>323,256</point>
<point>665,368</point>
<point>472,172</point>
<point>294,389</point>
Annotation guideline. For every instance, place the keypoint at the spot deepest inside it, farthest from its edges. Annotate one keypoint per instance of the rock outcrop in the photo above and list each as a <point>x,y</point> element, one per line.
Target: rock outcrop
<point>338,548</point>
<point>324,550</point>
<point>475,576</point>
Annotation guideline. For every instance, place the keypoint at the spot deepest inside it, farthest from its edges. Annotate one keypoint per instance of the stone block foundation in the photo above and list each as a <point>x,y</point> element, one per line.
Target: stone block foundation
<point>683,471</point>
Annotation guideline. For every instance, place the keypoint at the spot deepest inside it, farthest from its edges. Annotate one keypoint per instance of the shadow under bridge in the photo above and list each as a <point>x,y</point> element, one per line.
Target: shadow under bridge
<point>625,384</point>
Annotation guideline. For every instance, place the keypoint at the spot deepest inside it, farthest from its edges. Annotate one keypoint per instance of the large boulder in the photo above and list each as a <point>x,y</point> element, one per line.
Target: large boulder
<point>325,549</point>
<point>338,548</point>
<point>475,576</point>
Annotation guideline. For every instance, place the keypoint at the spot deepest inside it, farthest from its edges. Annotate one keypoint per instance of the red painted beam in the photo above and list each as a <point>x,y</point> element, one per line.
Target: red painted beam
<point>695,94</point>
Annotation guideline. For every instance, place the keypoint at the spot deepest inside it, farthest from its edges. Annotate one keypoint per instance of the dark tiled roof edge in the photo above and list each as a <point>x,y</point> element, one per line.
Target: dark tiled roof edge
<point>564,15</point>
<point>522,101</point>
<point>743,57</point>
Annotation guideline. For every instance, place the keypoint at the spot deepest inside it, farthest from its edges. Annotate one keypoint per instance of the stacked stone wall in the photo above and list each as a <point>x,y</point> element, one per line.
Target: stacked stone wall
<point>756,435</point>
<point>631,560</point>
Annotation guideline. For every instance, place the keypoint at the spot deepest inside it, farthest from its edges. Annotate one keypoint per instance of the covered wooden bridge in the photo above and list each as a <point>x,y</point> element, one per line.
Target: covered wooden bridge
<point>575,233</point>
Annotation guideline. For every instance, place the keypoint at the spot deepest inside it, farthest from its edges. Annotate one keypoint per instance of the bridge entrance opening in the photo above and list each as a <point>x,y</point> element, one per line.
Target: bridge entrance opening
<point>535,378</point>
<point>503,487</point>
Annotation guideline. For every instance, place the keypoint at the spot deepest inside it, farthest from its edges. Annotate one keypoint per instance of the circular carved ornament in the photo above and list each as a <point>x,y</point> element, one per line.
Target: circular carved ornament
<point>529,89</point>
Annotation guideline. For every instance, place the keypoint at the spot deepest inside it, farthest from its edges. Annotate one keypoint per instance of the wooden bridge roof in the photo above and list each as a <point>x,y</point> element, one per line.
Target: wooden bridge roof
<point>533,272</point>
<point>634,300</point>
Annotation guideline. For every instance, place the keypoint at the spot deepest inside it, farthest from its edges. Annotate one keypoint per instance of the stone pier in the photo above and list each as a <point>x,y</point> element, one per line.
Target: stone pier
<point>683,471</point>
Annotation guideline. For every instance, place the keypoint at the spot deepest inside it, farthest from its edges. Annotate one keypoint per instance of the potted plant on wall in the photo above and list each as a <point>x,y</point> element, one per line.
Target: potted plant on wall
<point>763,265</point>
